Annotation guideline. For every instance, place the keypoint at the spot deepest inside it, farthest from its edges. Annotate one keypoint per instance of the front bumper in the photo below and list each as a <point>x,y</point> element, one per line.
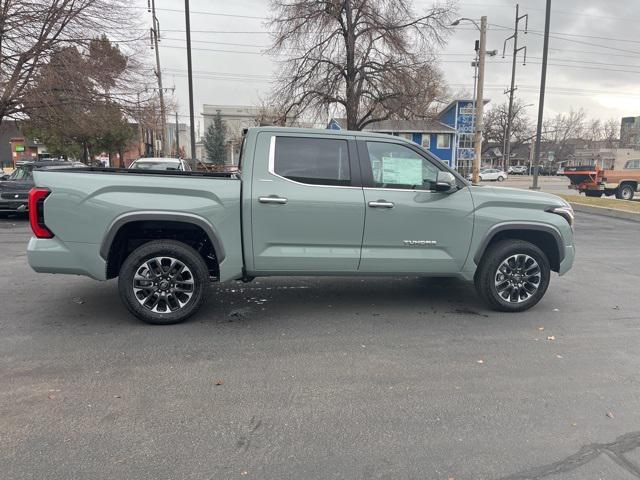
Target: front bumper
<point>14,206</point>
<point>567,262</point>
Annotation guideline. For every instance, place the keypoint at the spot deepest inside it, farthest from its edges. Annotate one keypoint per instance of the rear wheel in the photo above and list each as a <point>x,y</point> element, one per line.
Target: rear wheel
<point>163,282</point>
<point>513,276</point>
<point>625,192</point>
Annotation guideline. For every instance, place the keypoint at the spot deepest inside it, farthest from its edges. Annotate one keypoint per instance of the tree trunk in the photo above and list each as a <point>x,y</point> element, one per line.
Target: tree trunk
<point>350,93</point>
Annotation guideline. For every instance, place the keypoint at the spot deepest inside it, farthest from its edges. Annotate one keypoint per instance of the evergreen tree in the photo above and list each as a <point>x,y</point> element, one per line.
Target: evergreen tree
<point>214,141</point>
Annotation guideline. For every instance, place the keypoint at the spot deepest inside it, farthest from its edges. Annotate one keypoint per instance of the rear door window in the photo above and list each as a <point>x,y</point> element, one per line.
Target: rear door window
<point>315,161</point>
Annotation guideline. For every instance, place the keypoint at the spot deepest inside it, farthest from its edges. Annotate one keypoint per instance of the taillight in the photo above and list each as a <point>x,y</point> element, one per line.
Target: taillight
<point>36,212</point>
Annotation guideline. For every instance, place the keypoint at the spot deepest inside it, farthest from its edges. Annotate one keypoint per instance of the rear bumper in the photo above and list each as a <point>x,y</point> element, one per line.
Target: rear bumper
<point>52,255</point>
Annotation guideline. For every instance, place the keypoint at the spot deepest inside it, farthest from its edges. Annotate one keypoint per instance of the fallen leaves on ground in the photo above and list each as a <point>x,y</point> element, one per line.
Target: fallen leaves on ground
<point>480,361</point>
<point>610,414</point>
<point>220,382</point>
<point>551,337</point>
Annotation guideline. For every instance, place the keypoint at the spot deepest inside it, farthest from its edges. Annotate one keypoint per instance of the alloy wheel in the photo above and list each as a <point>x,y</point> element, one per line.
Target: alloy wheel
<point>518,278</point>
<point>163,284</point>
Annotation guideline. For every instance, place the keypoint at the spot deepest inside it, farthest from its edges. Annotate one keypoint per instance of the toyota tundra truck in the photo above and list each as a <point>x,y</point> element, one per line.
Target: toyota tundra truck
<point>303,202</point>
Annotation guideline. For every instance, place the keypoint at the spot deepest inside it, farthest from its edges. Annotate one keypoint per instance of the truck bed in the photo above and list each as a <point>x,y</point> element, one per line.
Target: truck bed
<point>86,204</point>
<point>133,171</point>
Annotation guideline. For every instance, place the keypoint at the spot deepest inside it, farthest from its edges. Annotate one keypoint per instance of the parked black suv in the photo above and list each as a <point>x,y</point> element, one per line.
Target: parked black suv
<point>14,187</point>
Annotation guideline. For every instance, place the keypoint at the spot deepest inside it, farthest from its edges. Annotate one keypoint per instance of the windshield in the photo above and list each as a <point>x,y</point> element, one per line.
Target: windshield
<point>156,165</point>
<point>22,173</point>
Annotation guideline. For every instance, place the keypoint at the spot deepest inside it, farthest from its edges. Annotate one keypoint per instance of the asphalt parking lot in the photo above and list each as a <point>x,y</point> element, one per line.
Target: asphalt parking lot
<point>326,378</point>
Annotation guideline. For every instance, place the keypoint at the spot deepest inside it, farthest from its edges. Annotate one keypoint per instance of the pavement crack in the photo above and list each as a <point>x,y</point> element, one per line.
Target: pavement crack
<point>614,450</point>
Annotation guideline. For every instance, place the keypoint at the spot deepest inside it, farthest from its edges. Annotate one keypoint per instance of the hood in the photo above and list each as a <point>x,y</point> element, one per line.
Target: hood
<point>515,197</point>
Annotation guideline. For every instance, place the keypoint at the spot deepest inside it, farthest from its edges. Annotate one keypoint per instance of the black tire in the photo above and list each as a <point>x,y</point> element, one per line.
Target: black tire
<point>593,193</point>
<point>625,192</point>
<point>194,278</point>
<point>501,178</point>
<point>487,275</point>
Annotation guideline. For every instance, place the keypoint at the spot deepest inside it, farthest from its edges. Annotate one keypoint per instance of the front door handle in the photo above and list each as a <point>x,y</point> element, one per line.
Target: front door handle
<point>381,204</point>
<point>278,200</point>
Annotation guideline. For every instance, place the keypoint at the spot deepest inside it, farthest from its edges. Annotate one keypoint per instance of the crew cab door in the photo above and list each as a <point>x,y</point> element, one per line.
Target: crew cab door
<point>409,227</point>
<point>307,204</point>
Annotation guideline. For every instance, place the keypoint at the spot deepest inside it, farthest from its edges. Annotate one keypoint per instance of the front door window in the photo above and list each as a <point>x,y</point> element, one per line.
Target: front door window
<point>397,166</point>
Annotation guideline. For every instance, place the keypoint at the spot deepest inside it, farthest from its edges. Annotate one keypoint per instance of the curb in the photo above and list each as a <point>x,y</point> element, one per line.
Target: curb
<point>606,212</point>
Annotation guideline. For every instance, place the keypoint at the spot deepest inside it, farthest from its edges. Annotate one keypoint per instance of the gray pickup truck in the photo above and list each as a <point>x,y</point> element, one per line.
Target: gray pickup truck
<point>304,202</point>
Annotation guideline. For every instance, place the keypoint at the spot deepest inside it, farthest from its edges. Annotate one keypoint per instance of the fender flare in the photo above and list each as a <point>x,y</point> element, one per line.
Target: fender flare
<point>506,226</point>
<point>183,217</point>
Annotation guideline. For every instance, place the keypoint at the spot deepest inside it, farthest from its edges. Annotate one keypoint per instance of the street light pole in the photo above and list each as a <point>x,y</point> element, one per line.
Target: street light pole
<point>480,101</point>
<point>543,85</point>
<point>190,75</point>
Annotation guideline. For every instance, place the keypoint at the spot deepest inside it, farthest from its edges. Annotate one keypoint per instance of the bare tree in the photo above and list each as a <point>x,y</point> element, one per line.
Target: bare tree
<point>611,132</point>
<point>562,131</point>
<point>495,126</point>
<point>32,30</point>
<point>375,59</point>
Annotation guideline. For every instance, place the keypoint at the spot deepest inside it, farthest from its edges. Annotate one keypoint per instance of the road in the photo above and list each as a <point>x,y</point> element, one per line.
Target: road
<point>326,378</point>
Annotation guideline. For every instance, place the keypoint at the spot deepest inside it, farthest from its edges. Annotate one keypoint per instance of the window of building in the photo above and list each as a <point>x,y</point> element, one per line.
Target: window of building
<point>444,141</point>
<point>396,166</point>
<point>317,161</point>
<point>426,141</point>
<point>466,140</point>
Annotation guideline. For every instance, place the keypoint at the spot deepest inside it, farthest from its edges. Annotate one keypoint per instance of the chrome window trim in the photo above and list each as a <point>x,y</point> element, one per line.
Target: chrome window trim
<point>414,190</point>
<point>272,162</point>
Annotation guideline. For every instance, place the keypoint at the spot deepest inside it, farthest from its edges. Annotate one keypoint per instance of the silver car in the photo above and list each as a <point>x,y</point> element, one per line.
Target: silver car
<point>160,164</point>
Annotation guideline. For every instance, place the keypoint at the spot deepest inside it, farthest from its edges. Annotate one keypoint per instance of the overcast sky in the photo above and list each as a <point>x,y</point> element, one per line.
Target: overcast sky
<point>594,60</point>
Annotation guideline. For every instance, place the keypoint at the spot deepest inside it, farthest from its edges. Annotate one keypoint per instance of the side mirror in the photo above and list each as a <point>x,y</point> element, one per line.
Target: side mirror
<point>446,182</point>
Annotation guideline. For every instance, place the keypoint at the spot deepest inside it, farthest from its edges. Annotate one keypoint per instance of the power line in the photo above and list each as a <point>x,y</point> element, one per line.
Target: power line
<point>202,12</point>
<point>560,12</point>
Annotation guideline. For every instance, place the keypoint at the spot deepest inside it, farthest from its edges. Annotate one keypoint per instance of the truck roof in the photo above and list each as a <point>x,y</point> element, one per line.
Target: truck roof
<point>326,131</point>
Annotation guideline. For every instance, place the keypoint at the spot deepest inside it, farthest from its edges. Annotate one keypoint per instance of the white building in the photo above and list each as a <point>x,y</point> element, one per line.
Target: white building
<point>235,118</point>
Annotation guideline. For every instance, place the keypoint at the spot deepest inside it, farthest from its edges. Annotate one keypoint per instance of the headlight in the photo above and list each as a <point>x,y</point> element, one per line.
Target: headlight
<point>566,212</point>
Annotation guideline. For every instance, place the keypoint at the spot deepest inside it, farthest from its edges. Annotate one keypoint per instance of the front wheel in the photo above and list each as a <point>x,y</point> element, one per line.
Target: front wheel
<point>513,276</point>
<point>163,282</point>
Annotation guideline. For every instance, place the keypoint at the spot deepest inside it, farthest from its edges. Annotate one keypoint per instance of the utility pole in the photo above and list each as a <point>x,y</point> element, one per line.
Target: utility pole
<point>480,101</point>
<point>190,75</point>
<point>511,91</point>
<point>543,85</point>
<point>177,137</point>
<point>155,38</point>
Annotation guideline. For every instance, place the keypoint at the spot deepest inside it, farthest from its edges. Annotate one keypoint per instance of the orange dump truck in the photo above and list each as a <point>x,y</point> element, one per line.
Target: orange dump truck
<point>595,182</point>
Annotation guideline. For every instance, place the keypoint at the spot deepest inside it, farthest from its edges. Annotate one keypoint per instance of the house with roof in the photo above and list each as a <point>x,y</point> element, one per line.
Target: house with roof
<point>433,135</point>
<point>449,136</point>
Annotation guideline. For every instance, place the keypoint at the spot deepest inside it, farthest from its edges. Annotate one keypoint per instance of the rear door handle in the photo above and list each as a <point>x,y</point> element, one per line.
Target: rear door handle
<point>381,204</point>
<point>278,200</point>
